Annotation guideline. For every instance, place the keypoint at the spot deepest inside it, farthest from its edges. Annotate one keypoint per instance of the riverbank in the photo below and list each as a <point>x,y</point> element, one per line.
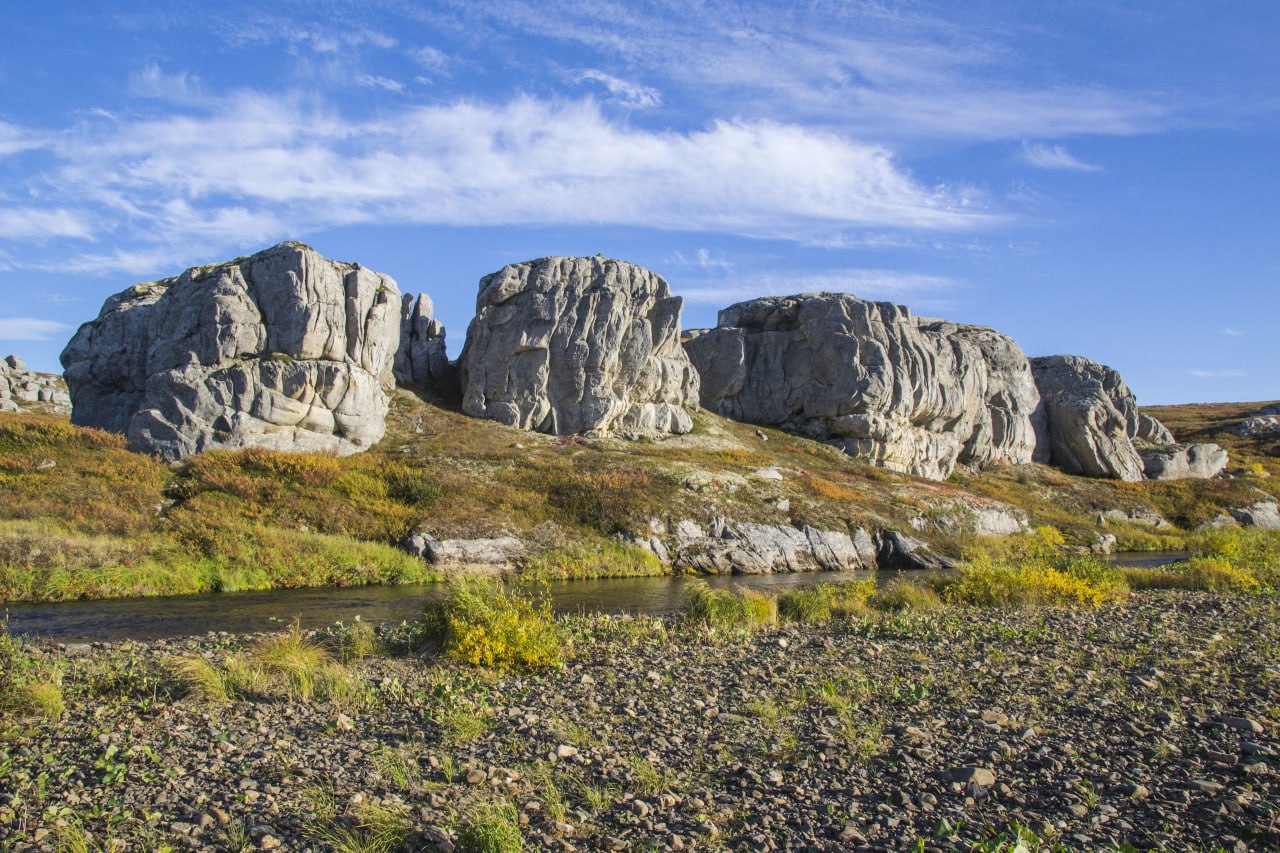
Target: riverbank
<point>1149,723</point>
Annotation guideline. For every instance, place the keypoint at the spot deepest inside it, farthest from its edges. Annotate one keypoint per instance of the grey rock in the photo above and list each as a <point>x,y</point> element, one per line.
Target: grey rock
<point>283,349</point>
<point>1259,426</point>
<point>1141,515</point>
<point>475,554</point>
<point>980,776</point>
<point>21,386</point>
<point>421,358</point>
<point>914,395</point>
<point>1183,461</point>
<point>1263,514</point>
<point>900,551</point>
<point>750,548</point>
<point>578,345</point>
<point>1091,419</point>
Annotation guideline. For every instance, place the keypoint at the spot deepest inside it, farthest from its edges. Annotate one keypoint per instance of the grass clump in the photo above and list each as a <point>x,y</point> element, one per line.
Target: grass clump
<point>819,604</point>
<point>728,611</point>
<point>1041,582</point>
<point>482,622</point>
<point>290,665</point>
<point>899,595</point>
<point>492,827</point>
<point>204,681</point>
<point>608,558</point>
<point>29,687</point>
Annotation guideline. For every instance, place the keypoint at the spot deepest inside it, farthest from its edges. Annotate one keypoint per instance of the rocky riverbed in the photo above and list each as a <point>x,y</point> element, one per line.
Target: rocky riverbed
<point>1150,724</point>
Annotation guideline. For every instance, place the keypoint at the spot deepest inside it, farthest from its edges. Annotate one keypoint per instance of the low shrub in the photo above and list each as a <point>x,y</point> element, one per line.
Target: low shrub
<point>988,583</point>
<point>1210,574</point>
<point>483,622</point>
<point>726,610</point>
<point>823,602</point>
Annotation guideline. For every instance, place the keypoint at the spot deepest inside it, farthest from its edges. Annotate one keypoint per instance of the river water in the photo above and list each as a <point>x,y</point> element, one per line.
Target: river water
<point>245,612</point>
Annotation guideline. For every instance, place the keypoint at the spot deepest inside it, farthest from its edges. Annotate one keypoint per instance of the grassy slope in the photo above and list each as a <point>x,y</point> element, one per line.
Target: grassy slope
<point>101,521</point>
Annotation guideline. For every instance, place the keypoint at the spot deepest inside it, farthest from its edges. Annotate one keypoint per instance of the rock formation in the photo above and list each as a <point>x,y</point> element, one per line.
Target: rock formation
<point>578,345</point>
<point>1092,426</point>
<point>1265,424</point>
<point>281,349</point>
<point>20,386</point>
<point>910,394</point>
<point>421,358</point>
<point>749,548</point>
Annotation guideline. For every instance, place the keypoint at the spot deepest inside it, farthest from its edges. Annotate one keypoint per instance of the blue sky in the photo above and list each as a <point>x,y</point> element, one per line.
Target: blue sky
<point>1097,178</point>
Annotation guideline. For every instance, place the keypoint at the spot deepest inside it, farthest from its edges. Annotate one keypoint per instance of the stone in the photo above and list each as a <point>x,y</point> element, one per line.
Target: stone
<point>751,548</point>
<point>421,358</point>
<point>1243,724</point>
<point>1263,514</point>
<point>1183,461</point>
<point>981,776</point>
<point>283,349</point>
<point>1091,420</point>
<point>578,345</point>
<point>493,554</point>
<point>1259,426</point>
<point>20,386</point>
<point>900,551</point>
<point>910,394</point>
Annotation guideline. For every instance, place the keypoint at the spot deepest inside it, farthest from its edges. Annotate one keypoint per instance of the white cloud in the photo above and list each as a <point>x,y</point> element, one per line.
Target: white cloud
<point>30,329</point>
<point>430,58</point>
<point>14,139</point>
<point>876,284</point>
<point>702,259</point>
<point>152,82</point>
<point>1215,374</point>
<point>1232,333</point>
<point>1044,156</point>
<point>372,81</point>
<point>30,223</point>
<point>154,185</point>
<point>630,95</point>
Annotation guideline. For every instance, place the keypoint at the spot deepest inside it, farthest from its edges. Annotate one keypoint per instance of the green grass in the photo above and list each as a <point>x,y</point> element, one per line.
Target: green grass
<point>591,558</point>
<point>823,602</point>
<point>899,595</point>
<point>1036,582</point>
<point>493,826</point>
<point>483,622</point>
<point>290,665</point>
<point>728,611</point>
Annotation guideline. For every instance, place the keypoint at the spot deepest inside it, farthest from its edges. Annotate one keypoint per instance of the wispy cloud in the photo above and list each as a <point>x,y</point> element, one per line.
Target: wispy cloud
<point>702,259</point>
<point>1232,333</point>
<point>40,224</point>
<point>630,95</point>
<point>253,166</point>
<point>373,81</point>
<point>30,329</point>
<point>1045,156</point>
<point>1215,374</point>
<point>153,82</point>
<point>918,289</point>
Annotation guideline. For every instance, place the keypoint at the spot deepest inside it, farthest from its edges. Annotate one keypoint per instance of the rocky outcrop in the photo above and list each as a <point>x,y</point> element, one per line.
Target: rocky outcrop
<point>1092,426</point>
<point>421,358</point>
<point>282,349</point>
<point>578,345</point>
<point>1264,514</point>
<point>913,395</point>
<point>1265,424</point>
<point>21,387</point>
<point>473,555</point>
<point>900,551</point>
<point>1182,461</point>
<point>752,549</point>
<point>1090,418</point>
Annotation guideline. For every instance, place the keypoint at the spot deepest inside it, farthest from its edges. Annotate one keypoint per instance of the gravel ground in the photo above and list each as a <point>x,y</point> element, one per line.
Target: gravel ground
<point>1151,724</point>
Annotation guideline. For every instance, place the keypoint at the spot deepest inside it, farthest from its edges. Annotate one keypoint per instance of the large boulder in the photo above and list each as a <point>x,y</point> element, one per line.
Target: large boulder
<point>1091,419</point>
<point>421,358</point>
<point>914,395</point>
<point>1264,424</point>
<point>20,386</point>
<point>282,349</point>
<point>1182,461</point>
<point>578,345</point>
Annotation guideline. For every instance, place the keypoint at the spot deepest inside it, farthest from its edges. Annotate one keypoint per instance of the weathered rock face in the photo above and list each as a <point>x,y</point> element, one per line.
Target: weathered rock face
<point>1092,426</point>
<point>913,395</point>
<point>283,349</point>
<point>1265,424</point>
<point>1182,461</point>
<point>1090,418</point>
<point>578,345</point>
<point>20,387</point>
<point>753,549</point>
<point>475,555</point>
<point>421,358</point>
<point>1264,514</point>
